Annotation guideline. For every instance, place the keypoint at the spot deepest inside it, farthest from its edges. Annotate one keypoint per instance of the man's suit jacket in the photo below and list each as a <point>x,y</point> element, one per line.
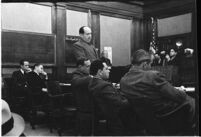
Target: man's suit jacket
<point>80,82</point>
<point>82,49</point>
<point>35,82</point>
<point>153,87</point>
<point>19,82</point>
<point>107,97</point>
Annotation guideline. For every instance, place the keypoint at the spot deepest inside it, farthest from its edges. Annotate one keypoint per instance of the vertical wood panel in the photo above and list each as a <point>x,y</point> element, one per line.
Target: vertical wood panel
<point>147,32</point>
<point>137,35</point>
<point>60,26</point>
<point>95,25</point>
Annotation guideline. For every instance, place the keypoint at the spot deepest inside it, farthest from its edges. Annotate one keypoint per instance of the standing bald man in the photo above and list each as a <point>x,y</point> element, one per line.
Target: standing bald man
<point>83,48</point>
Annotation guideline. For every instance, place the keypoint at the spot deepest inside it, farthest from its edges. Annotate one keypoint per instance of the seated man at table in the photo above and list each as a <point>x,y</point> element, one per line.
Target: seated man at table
<point>80,82</point>
<point>37,84</point>
<point>173,107</point>
<point>20,80</point>
<point>20,87</point>
<point>107,98</point>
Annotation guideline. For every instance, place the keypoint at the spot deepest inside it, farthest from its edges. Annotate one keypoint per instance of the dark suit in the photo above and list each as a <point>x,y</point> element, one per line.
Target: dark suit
<point>84,103</point>
<point>82,49</point>
<point>174,61</point>
<point>110,102</point>
<point>162,97</point>
<point>80,82</point>
<point>36,83</point>
<point>19,83</point>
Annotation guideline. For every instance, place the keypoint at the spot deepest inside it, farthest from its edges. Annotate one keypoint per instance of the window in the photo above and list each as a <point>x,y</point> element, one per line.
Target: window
<point>75,20</point>
<point>26,17</point>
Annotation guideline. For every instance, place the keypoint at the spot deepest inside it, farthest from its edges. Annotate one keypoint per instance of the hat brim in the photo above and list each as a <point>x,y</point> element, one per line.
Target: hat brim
<point>18,127</point>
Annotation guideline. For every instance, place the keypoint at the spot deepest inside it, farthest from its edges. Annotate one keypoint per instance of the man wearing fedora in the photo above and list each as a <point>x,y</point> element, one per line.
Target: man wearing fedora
<point>173,107</point>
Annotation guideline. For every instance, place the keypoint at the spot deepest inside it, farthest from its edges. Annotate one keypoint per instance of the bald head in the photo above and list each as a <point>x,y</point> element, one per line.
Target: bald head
<point>85,34</point>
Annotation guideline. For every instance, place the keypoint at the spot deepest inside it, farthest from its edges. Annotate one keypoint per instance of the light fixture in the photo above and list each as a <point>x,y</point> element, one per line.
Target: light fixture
<point>179,43</point>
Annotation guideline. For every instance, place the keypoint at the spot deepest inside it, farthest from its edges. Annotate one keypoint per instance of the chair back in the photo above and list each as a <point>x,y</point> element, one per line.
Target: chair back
<point>146,116</point>
<point>7,94</point>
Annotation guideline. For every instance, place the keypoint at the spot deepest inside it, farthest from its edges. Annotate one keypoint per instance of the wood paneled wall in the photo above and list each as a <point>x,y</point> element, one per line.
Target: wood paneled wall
<point>140,34</point>
<point>60,27</point>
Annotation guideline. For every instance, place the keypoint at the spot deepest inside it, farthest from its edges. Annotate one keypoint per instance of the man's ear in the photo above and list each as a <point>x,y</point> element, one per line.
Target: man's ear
<point>81,35</point>
<point>100,72</point>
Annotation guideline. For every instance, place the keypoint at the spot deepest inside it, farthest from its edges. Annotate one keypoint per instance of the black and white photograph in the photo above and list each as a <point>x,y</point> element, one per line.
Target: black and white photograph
<point>99,68</point>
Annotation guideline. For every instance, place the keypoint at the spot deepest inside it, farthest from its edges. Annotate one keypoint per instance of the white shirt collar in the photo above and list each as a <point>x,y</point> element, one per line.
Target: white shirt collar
<point>22,71</point>
<point>36,72</point>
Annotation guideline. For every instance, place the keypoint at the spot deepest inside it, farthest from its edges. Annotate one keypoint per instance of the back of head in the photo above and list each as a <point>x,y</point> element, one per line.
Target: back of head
<point>95,66</point>
<point>22,62</point>
<point>141,56</point>
<point>36,65</point>
<point>81,30</point>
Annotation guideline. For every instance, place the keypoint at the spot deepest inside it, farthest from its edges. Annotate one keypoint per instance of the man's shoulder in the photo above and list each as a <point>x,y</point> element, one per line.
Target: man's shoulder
<point>31,73</point>
<point>99,82</point>
<point>79,72</point>
<point>154,74</point>
<point>104,84</point>
<point>78,43</point>
<point>17,72</point>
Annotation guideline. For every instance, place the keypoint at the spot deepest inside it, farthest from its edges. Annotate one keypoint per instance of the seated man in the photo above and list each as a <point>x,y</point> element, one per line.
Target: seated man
<point>107,98</point>
<point>167,102</point>
<point>80,82</point>
<point>19,79</point>
<point>37,84</point>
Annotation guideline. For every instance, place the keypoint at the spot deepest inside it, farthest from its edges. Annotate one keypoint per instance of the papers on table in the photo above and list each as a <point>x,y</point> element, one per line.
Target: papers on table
<point>64,84</point>
<point>186,89</point>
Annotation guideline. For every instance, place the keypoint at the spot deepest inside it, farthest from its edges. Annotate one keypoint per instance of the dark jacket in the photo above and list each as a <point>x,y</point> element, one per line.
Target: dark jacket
<point>152,86</point>
<point>80,82</point>
<point>35,82</point>
<point>19,83</point>
<point>107,97</point>
<point>174,61</point>
<point>82,49</point>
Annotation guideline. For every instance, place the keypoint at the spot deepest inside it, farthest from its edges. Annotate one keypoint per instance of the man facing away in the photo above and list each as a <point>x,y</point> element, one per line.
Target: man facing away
<point>80,82</point>
<point>107,98</point>
<point>83,48</point>
<point>167,102</point>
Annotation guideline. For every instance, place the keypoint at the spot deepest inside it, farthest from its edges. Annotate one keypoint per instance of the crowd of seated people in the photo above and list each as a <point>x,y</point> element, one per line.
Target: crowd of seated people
<point>24,84</point>
<point>95,95</point>
<point>143,94</point>
<point>95,88</point>
<point>179,59</point>
<point>173,56</point>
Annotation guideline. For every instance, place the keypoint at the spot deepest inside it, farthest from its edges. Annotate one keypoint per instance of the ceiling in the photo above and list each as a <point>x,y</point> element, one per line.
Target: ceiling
<point>145,2</point>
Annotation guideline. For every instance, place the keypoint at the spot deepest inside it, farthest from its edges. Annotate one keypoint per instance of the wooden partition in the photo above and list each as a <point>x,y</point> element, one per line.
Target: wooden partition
<point>37,48</point>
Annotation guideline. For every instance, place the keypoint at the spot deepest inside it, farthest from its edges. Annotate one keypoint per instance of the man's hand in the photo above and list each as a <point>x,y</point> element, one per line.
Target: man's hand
<point>28,70</point>
<point>44,89</point>
<point>181,88</point>
<point>45,74</point>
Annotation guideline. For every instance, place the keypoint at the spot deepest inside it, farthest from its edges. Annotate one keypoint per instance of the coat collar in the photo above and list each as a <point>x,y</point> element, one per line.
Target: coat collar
<point>84,42</point>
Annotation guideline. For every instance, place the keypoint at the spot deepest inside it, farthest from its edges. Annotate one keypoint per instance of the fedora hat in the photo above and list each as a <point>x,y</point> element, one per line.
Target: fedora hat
<point>12,124</point>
